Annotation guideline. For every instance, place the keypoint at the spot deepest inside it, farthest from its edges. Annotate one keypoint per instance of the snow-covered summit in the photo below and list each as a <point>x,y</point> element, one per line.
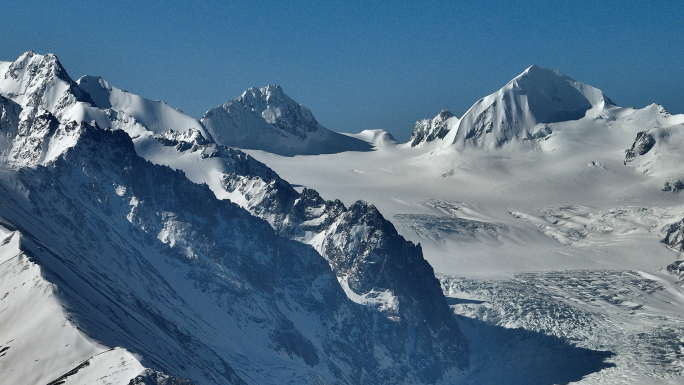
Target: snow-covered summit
<point>267,119</point>
<point>39,82</point>
<point>522,109</point>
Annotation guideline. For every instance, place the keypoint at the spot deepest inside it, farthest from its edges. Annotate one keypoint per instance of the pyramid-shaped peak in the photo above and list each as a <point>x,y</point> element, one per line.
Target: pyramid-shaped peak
<point>541,77</point>
<point>520,109</point>
<point>268,90</point>
<point>38,65</point>
<point>265,118</point>
<point>273,88</point>
<point>549,92</point>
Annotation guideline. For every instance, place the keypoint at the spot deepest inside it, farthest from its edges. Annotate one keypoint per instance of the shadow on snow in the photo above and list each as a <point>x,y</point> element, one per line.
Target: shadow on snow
<point>517,356</point>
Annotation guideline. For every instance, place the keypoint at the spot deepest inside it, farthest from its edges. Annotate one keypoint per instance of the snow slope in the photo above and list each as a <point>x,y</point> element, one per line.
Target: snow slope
<point>536,183</point>
<point>195,286</point>
<point>39,343</point>
<point>155,116</point>
<point>521,110</point>
<point>267,119</point>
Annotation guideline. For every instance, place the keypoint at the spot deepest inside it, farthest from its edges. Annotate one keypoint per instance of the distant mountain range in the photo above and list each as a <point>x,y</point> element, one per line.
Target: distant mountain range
<point>140,245</point>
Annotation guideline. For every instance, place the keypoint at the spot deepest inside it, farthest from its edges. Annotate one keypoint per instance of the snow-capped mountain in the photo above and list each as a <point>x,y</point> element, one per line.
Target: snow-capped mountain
<point>521,110</point>
<point>155,271</point>
<point>564,219</point>
<point>136,247</point>
<point>267,119</point>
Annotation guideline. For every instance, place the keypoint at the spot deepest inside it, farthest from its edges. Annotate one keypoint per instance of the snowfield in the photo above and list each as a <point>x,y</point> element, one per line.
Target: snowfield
<point>559,234</point>
<point>537,239</point>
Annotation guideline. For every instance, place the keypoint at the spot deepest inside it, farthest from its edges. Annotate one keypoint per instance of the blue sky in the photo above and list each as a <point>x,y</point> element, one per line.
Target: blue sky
<point>357,64</point>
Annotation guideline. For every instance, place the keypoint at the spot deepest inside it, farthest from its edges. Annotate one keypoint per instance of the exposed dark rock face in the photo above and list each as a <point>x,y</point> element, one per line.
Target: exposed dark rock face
<point>483,124</point>
<point>153,377</point>
<point>149,261</point>
<point>367,254</point>
<point>674,236</point>
<point>674,239</point>
<point>428,130</point>
<point>643,143</point>
<point>675,187</point>
<point>677,268</point>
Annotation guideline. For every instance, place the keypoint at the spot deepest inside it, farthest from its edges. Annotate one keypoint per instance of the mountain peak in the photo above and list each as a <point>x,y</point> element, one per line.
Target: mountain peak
<point>265,118</point>
<point>535,69</point>
<point>524,106</point>
<point>40,82</point>
<point>45,65</point>
<point>270,91</point>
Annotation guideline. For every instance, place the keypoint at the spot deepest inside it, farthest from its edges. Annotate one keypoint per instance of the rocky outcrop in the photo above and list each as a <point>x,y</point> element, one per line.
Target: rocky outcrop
<point>677,268</point>
<point>674,236</point>
<point>428,130</point>
<point>375,265</point>
<point>643,143</point>
<point>153,377</point>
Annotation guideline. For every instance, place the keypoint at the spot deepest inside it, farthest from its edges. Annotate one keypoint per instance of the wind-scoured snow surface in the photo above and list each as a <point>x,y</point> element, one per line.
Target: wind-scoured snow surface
<point>545,207</point>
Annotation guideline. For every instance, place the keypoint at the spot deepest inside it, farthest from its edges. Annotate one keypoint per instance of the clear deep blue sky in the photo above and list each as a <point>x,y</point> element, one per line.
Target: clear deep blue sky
<point>357,64</point>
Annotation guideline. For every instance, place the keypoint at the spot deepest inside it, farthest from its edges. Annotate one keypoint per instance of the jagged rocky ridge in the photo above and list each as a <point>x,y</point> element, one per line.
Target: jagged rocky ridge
<point>190,266</point>
<point>428,130</point>
<point>419,335</point>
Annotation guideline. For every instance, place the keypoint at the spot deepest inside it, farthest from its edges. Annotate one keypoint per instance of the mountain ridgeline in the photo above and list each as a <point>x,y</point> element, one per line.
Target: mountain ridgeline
<point>125,207</point>
<point>517,113</point>
<point>159,252</point>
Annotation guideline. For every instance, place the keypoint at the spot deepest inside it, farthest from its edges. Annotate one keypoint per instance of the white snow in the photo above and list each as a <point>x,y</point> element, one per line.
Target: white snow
<point>37,341</point>
<point>384,300</point>
<point>562,210</point>
<point>266,118</point>
<point>527,210</point>
<point>523,194</point>
<point>155,116</point>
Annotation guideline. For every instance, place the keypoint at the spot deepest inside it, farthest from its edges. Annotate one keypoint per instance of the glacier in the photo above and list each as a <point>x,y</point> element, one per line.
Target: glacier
<point>534,240</point>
